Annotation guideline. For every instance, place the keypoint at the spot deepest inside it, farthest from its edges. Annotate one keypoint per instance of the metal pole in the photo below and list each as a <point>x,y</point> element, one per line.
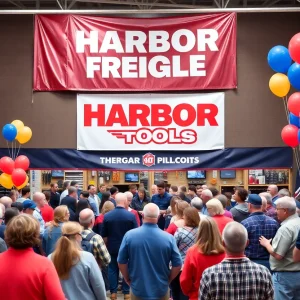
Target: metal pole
<point>153,11</point>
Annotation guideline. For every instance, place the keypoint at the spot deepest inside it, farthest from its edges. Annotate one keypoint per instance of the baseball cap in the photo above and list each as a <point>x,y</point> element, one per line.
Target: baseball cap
<point>254,199</point>
<point>29,204</point>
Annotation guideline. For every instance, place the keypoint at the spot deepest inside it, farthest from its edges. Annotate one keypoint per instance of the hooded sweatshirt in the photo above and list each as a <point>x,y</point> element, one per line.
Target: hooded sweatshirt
<point>240,212</point>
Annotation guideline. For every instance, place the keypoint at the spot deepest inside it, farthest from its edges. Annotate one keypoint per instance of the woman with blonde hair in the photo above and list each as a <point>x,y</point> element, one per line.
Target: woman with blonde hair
<point>79,273</point>
<point>216,210</point>
<point>207,251</point>
<point>179,221</point>
<point>171,211</point>
<point>24,274</point>
<point>53,231</point>
<point>107,207</point>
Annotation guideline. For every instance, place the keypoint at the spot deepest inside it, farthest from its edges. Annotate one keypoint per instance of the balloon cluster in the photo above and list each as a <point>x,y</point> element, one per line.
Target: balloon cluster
<point>14,172</point>
<point>280,60</point>
<point>17,131</point>
<point>14,168</point>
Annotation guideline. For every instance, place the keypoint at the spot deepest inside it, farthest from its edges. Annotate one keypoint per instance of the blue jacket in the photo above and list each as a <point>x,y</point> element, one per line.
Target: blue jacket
<point>50,238</point>
<point>116,223</point>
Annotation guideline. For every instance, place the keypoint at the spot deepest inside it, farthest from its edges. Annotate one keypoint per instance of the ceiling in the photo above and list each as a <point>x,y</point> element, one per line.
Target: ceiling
<point>141,4</point>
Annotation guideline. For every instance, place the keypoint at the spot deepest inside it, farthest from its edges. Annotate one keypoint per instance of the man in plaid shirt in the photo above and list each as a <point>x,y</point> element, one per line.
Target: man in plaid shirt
<point>236,277</point>
<point>101,254</point>
<point>257,225</point>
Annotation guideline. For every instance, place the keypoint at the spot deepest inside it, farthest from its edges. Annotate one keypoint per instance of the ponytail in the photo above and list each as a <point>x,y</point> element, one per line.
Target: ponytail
<point>66,255</point>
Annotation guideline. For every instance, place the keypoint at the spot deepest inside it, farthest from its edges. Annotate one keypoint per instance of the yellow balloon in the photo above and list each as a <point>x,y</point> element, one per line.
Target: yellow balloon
<point>5,181</point>
<point>24,184</point>
<point>19,124</point>
<point>24,135</point>
<point>279,85</point>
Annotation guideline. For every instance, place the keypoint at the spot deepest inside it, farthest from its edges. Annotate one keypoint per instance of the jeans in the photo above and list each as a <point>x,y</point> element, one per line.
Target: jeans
<point>104,272</point>
<point>166,297</point>
<point>286,285</point>
<point>113,277</point>
<point>177,293</point>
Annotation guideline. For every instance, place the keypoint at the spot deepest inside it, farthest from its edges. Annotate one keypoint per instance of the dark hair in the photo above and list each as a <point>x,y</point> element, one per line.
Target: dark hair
<point>73,183</point>
<point>192,188</point>
<point>182,195</point>
<point>132,186</point>
<point>25,190</point>
<point>85,194</point>
<point>90,185</point>
<point>113,190</point>
<point>174,188</point>
<point>47,195</point>
<point>81,205</point>
<point>228,195</point>
<point>242,193</point>
<point>10,213</point>
<point>105,197</point>
<point>183,189</point>
<point>214,191</point>
<point>66,184</point>
<point>17,205</point>
<point>192,218</point>
<point>161,184</point>
<point>53,184</point>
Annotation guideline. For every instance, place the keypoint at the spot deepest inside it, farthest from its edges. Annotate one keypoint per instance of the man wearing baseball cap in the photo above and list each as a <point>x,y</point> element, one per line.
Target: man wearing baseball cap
<point>28,207</point>
<point>257,225</point>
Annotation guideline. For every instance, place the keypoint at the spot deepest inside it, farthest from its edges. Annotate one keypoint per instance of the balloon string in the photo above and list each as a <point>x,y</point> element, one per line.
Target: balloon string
<point>12,149</point>
<point>8,148</point>
<point>285,107</point>
<point>18,150</point>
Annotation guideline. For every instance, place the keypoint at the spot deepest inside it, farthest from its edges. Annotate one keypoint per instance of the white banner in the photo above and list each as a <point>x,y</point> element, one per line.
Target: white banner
<point>150,121</point>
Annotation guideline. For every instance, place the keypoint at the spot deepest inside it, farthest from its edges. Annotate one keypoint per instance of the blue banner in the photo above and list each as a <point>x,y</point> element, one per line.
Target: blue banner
<point>229,158</point>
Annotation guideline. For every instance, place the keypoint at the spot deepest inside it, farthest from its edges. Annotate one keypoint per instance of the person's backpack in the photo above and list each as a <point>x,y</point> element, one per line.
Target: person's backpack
<point>86,245</point>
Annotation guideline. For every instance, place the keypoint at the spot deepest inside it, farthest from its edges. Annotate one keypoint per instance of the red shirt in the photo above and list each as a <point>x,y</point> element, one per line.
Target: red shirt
<point>136,214</point>
<point>172,228</point>
<point>222,221</point>
<point>194,265</point>
<point>47,213</point>
<point>28,276</point>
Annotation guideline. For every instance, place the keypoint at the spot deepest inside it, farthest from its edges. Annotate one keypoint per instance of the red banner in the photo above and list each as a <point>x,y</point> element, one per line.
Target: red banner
<point>90,53</point>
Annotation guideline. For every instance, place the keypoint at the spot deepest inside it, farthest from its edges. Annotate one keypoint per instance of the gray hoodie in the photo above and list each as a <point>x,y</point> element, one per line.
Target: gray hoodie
<point>240,212</point>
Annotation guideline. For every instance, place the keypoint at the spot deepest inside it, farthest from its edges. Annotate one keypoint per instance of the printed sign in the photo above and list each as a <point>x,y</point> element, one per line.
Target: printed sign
<point>91,53</point>
<point>150,121</point>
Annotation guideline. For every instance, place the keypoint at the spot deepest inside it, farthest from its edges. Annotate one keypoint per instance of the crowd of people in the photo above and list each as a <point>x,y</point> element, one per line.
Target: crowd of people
<point>180,243</point>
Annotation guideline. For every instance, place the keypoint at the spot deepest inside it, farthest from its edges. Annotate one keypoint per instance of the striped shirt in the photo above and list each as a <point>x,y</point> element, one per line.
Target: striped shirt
<point>185,238</point>
<point>237,278</point>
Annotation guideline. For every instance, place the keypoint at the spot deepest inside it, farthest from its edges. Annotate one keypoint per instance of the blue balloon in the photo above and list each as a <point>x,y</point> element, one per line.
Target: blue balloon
<point>9,132</point>
<point>294,75</point>
<point>279,59</point>
<point>294,120</point>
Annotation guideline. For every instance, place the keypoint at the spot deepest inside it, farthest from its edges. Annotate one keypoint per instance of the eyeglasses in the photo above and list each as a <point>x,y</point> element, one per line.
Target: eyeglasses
<point>79,234</point>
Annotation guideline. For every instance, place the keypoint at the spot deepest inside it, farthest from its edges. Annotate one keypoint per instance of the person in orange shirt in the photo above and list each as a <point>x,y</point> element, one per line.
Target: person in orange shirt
<point>216,211</point>
<point>207,251</point>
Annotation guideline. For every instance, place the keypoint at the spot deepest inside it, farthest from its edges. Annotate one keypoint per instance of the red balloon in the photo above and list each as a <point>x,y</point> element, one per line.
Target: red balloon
<point>18,177</point>
<point>22,162</point>
<point>289,135</point>
<point>7,165</point>
<point>294,104</point>
<point>294,47</point>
